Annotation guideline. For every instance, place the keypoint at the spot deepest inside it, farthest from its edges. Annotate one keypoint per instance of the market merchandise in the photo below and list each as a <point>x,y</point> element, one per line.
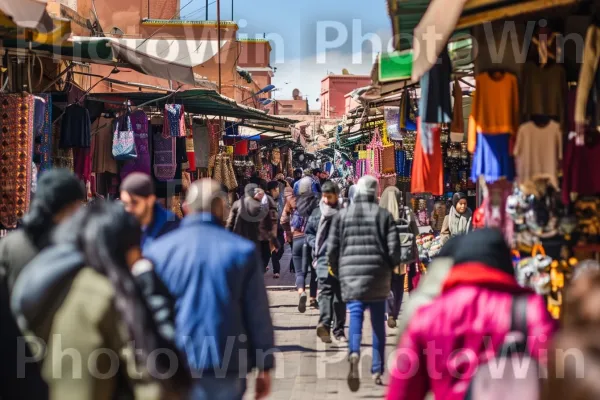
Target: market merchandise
<point>75,127</point>
<point>43,137</point>
<point>102,159</point>
<point>434,105</point>
<point>139,124</point>
<point>492,158</point>
<point>577,179</point>
<point>427,168</point>
<point>538,150</point>
<point>495,106</point>
<point>588,85</point>
<point>458,123</point>
<point>164,155</point>
<point>544,91</point>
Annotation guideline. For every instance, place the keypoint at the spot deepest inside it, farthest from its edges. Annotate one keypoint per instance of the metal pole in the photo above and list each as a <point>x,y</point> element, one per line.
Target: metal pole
<point>232,10</point>
<point>206,7</point>
<point>219,40</point>
<point>148,9</point>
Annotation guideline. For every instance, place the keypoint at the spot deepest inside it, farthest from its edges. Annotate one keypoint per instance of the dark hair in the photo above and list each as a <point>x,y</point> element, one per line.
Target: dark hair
<point>272,185</point>
<point>56,190</point>
<point>316,171</point>
<point>458,196</point>
<point>330,187</point>
<point>138,184</point>
<point>104,232</point>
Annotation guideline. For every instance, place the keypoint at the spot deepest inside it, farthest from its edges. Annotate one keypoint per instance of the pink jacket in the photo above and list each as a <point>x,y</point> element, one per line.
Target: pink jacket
<point>446,340</point>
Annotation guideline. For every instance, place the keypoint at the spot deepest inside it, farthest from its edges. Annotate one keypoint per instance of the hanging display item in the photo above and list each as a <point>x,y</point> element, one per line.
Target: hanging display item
<point>102,137</point>
<point>123,145</point>
<point>43,138</point>
<point>16,145</point>
<point>141,163</point>
<point>538,151</point>
<point>202,144</point>
<point>427,168</point>
<point>457,129</point>
<point>75,127</point>
<point>165,164</point>
<point>174,120</point>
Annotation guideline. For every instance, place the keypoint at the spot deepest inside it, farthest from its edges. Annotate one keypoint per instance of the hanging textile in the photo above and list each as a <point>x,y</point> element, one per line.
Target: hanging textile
<point>82,164</point>
<point>63,158</point>
<point>492,158</point>
<point>164,155</point>
<point>457,129</point>
<point>494,205</point>
<point>224,172</point>
<point>174,120</point>
<point>202,145</point>
<point>43,138</point>
<point>102,136</point>
<point>16,145</point>
<point>214,137</point>
<point>75,128</point>
<point>139,124</point>
<point>434,105</point>
<point>427,168</point>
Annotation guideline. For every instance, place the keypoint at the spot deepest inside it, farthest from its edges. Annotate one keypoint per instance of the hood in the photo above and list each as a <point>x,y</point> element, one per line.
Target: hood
<point>478,274</point>
<point>306,204</point>
<point>43,284</point>
<point>251,207</point>
<point>250,189</point>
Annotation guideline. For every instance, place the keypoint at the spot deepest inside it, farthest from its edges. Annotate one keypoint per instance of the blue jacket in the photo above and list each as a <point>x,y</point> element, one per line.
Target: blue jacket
<point>163,221</point>
<point>222,314</point>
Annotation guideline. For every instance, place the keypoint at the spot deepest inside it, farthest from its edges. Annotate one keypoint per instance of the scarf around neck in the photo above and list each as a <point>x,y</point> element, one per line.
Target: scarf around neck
<point>459,223</point>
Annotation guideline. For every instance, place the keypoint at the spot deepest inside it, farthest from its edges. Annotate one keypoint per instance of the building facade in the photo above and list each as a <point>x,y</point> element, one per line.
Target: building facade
<point>334,89</point>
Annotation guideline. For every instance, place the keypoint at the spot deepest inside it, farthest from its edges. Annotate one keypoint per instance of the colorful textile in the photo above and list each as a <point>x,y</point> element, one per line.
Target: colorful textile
<point>16,144</point>
<point>428,169</point>
<point>139,124</point>
<point>492,158</point>
<point>63,158</point>
<point>164,156</point>
<point>82,164</point>
<point>577,179</point>
<point>174,122</point>
<point>43,138</point>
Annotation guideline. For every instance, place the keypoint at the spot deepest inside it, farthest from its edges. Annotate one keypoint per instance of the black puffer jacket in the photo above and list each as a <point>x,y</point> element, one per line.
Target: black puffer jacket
<point>363,249</point>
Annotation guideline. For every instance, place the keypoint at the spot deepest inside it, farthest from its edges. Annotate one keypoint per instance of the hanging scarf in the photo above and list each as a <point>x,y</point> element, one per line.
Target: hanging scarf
<point>459,223</point>
<point>139,124</point>
<point>43,140</point>
<point>174,123</point>
<point>164,157</point>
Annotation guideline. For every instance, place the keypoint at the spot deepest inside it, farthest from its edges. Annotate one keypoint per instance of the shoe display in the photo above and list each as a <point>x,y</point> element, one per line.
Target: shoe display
<point>323,333</point>
<point>353,374</point>
<point>391,321</point>
<point>302,303</point>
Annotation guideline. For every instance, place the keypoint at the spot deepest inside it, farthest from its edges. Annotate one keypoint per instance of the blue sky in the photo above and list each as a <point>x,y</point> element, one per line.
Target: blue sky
<point>302,32</point>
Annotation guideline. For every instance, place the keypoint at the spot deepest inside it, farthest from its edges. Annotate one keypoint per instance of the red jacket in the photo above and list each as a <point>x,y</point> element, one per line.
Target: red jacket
<point>465,326</point>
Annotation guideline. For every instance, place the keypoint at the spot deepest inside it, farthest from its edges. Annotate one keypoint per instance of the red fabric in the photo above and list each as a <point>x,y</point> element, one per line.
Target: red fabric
<point>576,169</point>
<point>449,337</point>
<point>82,163</point>
<point>240,147</point>
<point>428,169</point>
<point>479,218</point>
<point>192,160</point>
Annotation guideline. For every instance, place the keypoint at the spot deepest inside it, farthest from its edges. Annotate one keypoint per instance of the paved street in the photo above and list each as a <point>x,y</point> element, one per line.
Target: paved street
<point>307,368</point>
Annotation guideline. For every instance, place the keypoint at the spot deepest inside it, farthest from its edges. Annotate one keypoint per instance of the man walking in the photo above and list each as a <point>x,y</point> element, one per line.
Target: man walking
<point>271,242</point>
<point>331,306</point>
<point>222,313</point>
<point>247,213</point>
<point>363,249</point>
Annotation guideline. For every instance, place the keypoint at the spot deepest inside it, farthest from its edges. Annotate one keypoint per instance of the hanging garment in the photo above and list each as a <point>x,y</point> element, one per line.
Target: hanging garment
<point>102,136</point>
<point>62,158</point>
<point>495,106</point>
<point>75,130</point>
<point>492,158</point>
<point>43,140</point>
<point>189,148</point>
<point>577,178</point>
<point>174,121</point>
<point>82,164</point>
<point>538,151</point>
<point>427,169</point>
<point>494,206</point>
<point>164,157</point>
<point>588,86</point>
<point>140,126</point>
<point>434,105</point>
<point>201,145</point>
<point>458,123</point>
<point>544,91</point>
<point>16,145</point>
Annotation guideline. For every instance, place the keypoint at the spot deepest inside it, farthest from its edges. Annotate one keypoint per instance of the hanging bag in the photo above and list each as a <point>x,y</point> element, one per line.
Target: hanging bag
<point>408,242</point>
<point>123,145</point>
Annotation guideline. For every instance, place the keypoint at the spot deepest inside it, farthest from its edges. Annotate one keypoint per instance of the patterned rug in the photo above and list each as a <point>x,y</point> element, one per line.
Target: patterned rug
<point>16,151</point>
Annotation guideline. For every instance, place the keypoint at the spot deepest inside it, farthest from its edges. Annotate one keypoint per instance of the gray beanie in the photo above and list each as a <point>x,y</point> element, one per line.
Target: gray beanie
<point>368,186</point>
<point>305,185</point>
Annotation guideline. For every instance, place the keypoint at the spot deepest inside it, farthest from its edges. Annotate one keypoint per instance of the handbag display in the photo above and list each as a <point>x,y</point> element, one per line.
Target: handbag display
<point>123,145</point>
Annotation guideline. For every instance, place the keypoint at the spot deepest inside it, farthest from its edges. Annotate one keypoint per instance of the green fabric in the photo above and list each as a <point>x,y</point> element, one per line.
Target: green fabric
<point>395,66</point>
<point>89,51</point>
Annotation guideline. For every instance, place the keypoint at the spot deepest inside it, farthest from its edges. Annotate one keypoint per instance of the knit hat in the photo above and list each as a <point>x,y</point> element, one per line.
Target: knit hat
<point>304,185</point>
<point>138,184</point>
<point>367,185</point>
<point>250,189</point>
<point>486,246</point>
<point>458,196</point>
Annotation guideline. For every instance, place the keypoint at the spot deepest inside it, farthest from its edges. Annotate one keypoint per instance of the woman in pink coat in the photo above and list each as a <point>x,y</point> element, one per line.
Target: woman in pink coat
<point>465,326</point>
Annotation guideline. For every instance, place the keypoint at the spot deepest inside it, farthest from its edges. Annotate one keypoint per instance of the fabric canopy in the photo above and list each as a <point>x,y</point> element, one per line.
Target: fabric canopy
<point>163,58</point>
<point>29,14</point>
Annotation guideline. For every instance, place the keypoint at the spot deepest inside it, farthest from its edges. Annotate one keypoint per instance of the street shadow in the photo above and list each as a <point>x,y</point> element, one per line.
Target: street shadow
<point>293,328</point>
<point>285,306</point>
<point>294,347</point>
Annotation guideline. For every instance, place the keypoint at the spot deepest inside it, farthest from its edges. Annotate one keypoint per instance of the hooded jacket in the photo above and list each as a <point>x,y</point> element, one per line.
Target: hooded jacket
<point>56,296</point>
<point>472,315</point>
<point>315,222</point>
<point>363,249</point>
<point>246,215</point>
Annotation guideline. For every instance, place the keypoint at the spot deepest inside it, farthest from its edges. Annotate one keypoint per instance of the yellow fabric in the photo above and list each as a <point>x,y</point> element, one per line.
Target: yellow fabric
<point>495,108</point>
<point>587,73</point>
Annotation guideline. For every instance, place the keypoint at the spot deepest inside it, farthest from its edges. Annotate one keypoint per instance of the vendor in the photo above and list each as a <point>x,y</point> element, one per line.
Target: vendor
<point>458,221</point>
<point>139,198</point>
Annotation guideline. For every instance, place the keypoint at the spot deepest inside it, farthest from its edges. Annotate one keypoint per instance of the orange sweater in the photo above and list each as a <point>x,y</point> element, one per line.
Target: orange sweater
<point>495,107</point>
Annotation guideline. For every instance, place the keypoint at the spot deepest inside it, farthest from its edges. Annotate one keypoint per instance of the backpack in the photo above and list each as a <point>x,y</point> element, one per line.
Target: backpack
<point>297,222</point>
<point>407,239</point>
<point>503,377</point>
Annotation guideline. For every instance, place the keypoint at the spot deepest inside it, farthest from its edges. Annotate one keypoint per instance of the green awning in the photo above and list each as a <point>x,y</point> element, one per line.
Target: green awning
<point>395,66</point>
<point>202,102</point>
<point>97,52</point>
<point>405,16</point>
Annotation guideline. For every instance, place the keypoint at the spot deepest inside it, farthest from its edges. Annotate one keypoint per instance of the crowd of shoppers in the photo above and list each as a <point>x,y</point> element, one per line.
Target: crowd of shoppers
<point>148,306</point>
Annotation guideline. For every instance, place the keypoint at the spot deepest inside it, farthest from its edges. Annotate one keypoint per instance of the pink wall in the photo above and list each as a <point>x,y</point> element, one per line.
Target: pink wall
<point>334,89</point>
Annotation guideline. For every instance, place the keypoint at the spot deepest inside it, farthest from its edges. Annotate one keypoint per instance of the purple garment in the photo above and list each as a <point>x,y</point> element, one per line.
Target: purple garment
<point>139,124</point>
<point>164,149</point>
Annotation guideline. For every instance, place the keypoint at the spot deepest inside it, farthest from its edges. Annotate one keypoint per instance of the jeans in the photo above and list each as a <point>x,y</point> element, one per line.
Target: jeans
<point>302,263</point>
<point>394,301</point>
<point>265,249</point>
<point>212,388</point>
<point>357,310</point>
<point>332,308</point>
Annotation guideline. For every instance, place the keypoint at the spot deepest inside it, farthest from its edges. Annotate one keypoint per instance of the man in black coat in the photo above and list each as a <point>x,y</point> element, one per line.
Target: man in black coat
<point>331,306</point>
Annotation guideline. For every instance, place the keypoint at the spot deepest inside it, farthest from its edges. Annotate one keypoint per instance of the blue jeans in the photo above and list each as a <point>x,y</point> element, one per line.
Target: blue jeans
<point>212,388</point>
<point>303,263</point>
<point>357,310</point>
